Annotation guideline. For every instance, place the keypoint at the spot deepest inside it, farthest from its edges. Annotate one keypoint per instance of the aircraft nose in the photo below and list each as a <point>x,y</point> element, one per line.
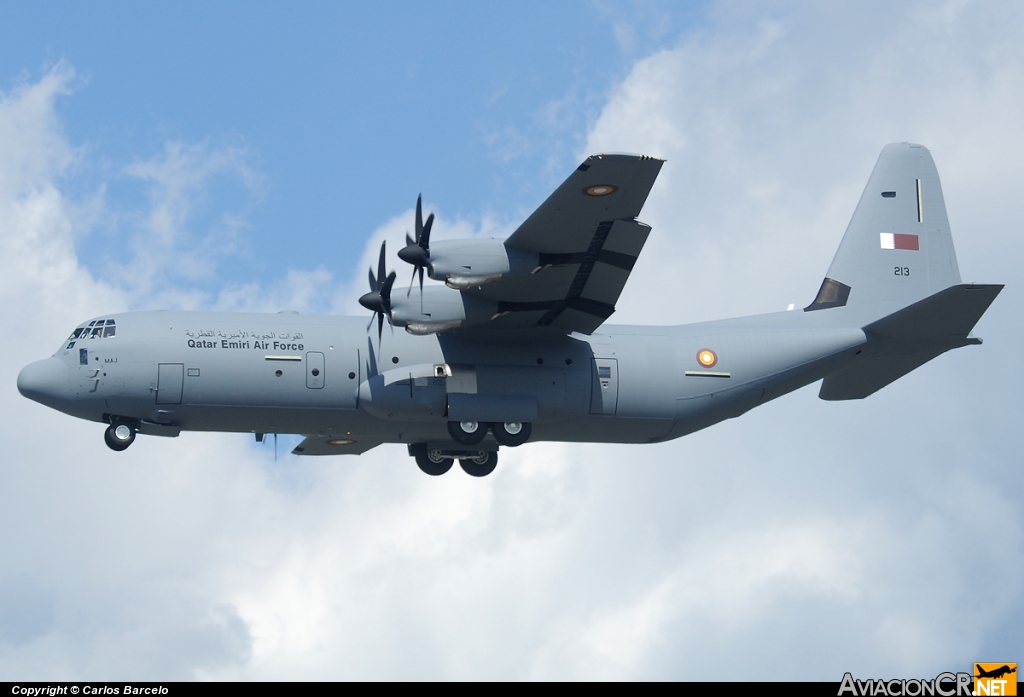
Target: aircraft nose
<point>44,381</point>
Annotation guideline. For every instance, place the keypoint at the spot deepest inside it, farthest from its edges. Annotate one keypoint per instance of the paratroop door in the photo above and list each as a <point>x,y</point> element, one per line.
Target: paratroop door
<point>168,383</point>
<point>314,370</point>
<point>604,396</point>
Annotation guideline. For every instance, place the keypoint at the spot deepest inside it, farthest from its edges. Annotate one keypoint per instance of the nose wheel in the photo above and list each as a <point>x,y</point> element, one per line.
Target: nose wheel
<point>119,436</point>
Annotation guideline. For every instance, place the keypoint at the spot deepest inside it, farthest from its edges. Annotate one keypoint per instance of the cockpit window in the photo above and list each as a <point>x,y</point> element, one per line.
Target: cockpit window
<point>97,329</point>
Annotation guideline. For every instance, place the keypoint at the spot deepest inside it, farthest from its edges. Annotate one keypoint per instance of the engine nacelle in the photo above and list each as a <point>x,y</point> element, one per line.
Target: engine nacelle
<point>463,264</point>
<point>438,310</point>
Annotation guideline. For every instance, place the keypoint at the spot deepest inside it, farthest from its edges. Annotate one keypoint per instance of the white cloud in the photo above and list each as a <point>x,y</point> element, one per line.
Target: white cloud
<point>801,540</point>
<point>167,249</point>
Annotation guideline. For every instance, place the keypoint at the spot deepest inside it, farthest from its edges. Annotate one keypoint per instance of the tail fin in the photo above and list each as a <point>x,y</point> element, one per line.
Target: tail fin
<point>897,249</point>
<point>895,275</point>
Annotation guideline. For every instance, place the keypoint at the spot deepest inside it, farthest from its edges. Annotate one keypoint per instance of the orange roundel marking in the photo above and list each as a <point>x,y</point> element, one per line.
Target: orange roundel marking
<point>600,190</point>
<point>707,358</point>
<point>341,441</point>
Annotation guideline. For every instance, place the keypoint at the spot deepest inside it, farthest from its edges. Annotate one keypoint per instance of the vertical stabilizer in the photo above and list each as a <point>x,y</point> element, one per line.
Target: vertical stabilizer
<point>897,249</point>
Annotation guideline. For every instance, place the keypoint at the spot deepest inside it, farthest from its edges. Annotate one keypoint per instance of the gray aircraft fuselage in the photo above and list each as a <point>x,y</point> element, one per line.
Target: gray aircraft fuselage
<point>204,371</point>
<point>513,347</point>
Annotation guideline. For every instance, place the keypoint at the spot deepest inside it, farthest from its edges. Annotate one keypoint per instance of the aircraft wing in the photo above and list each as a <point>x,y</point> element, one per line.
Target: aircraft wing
<point>334,445</point>
<point>586,238</point>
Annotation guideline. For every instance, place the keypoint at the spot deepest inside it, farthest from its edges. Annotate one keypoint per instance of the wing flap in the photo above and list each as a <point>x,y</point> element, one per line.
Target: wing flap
<point>605,284</point>
<point>573,292</point>
<point>585,240</point>
<point>625,238</point>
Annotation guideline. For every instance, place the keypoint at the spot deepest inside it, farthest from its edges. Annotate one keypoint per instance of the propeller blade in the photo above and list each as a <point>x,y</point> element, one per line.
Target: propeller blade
<point>424,239</point>
<point>417,251</point>
<point>419,217</point>
<point>385,293</point>
<point>380,325</point>
<point>381,271</point>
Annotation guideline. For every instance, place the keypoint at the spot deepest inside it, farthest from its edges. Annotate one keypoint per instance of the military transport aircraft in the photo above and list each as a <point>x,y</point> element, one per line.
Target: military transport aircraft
<point>513,346</point>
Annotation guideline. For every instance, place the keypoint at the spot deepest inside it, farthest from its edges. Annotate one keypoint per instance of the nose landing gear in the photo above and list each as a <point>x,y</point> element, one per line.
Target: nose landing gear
<point>119,436</point>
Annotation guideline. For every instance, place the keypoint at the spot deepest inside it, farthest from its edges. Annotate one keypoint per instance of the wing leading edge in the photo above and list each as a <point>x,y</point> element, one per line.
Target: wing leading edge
<point>586,239</point>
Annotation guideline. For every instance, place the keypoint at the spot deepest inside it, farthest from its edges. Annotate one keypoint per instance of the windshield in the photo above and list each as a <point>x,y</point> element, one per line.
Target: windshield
<point>97,329</point>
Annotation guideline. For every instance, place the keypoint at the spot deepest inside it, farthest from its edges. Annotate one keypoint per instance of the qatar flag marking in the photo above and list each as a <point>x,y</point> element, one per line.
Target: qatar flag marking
<point>896,240</point>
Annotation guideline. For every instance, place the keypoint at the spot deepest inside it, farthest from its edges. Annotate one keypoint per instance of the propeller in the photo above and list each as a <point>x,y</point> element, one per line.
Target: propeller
<point>417,251</point>
<point>378,300</point>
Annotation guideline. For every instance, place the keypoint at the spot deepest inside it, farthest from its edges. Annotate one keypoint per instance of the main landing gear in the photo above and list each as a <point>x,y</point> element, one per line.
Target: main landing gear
<point>510,433</point>
<point>477,463</point>
<point>119,435</point>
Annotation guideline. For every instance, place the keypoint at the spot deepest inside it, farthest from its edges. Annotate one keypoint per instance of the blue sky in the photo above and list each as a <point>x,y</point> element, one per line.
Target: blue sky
<point>253,157</point>
<point>343,112</point>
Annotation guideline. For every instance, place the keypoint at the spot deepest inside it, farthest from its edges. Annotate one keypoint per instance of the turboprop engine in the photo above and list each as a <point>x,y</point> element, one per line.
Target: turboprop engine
<point>438,309</point>
<point>433,310</point>
<point>461,264</point>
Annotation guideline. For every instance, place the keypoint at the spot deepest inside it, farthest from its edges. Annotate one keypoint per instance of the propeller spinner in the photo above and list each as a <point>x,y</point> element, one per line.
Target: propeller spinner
<point>417,251</point>
<point>378,300</point>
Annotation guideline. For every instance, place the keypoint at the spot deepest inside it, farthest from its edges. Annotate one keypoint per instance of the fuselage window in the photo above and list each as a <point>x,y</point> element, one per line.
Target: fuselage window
<point>83,356</point>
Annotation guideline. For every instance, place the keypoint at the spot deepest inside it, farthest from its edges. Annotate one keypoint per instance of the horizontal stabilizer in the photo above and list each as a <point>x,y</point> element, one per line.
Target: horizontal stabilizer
<point>334,445</point>
<point>909,338</point>
<point>950,312</point>
<point>869,376</point>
